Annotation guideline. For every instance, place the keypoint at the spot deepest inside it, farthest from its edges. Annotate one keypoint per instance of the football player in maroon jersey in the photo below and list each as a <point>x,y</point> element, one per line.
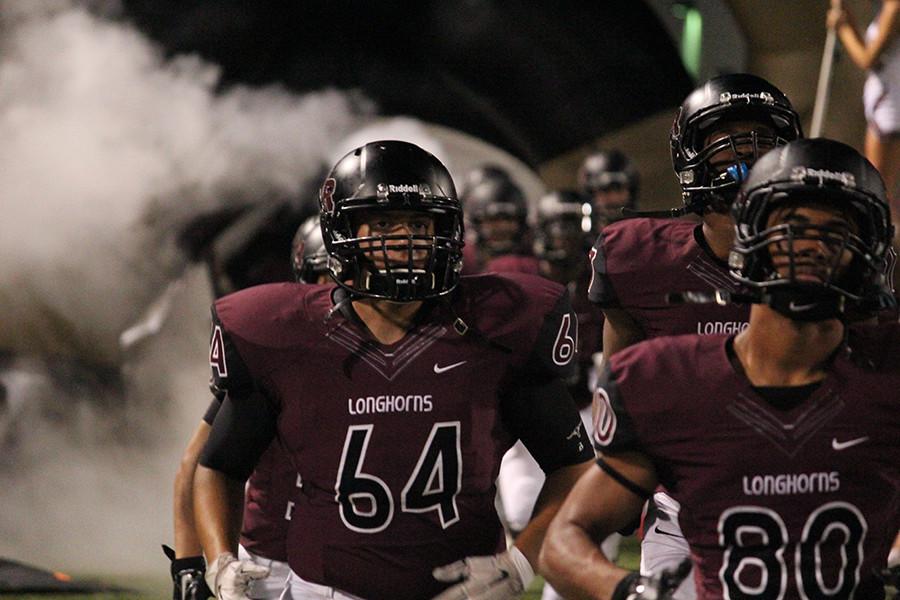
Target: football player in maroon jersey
<point>563,220</point>
<point>722,128</point>
<point>782,442</point>
<point>609,181</point>
<point>394,394</point>
<point>267,503</point>
<point>497,212</point>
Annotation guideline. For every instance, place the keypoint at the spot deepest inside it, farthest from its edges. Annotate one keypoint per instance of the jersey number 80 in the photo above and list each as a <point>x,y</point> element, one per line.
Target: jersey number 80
<point>756,538</point>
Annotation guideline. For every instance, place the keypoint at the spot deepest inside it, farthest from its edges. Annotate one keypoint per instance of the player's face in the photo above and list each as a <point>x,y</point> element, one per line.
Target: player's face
<point>607,203</point>
<point>743,150</point>
<point>819,233</point>
<point>396,250</point>
<point>501,231</point>
<point>567,237</point>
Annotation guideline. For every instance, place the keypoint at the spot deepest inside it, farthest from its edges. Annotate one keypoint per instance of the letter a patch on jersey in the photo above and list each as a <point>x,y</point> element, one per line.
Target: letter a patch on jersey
<point>217,353</point>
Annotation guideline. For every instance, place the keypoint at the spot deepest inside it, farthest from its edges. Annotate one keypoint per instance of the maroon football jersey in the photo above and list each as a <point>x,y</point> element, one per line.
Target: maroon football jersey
<point>796,501</point>
<point>399,446</point>
<point>513,263</point>
<point>590,337</point>
<point>268,503</point>
<point>636,262</point>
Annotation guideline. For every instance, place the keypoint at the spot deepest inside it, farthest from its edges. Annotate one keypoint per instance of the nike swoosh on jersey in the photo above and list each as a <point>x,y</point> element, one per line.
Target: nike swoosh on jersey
<point>848,444</point>
<point>439,369</point>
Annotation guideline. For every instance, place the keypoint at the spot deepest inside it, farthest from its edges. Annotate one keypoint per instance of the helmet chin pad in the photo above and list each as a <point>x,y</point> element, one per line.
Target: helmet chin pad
<point>806,302</point>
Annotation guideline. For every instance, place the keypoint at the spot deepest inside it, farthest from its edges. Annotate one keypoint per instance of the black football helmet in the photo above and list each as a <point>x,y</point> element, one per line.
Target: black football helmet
<point>608,171</point>
<point>563,223</point>
<point>391,176</point>
<point>725,99</point>
<point>308,256</point>
<point>815,172</point>
<point>489,193</point>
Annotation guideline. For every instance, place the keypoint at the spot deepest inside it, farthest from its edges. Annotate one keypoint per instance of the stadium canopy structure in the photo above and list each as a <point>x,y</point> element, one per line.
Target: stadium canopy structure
<point>534,79</point>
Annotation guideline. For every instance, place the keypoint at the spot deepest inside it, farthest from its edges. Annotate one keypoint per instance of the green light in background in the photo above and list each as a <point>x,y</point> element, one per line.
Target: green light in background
<point>692,41</point>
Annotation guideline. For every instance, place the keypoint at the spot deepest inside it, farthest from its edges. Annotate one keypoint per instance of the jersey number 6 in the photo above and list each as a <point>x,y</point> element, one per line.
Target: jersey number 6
<point>366,502</point>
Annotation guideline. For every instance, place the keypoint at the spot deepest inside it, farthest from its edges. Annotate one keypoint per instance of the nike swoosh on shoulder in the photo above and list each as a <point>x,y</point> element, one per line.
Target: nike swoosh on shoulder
<point>849,443</point>
<point>439,369</point>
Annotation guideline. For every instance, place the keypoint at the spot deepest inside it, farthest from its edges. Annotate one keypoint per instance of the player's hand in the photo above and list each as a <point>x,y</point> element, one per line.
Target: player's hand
<point>500,577</point>
<point>229,577</point>
<point>187,577</point>
<point>654,587</point>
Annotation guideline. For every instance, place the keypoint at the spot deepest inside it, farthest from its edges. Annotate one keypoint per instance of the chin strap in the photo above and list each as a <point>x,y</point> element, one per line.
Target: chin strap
<point>796,305</point>
<point>735,174</point>
<point>669,213</point>
<point>804,306</point>
<point>720,297</point>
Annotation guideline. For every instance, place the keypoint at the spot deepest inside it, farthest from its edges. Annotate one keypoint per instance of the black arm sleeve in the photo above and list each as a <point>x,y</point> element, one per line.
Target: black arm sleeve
<point>543,415</point>
<point>243,429</point>
<point>211,411</point>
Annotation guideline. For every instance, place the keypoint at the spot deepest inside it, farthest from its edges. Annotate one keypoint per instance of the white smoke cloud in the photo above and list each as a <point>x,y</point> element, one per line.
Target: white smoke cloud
<point>106,148</point>
<point>97,127</point>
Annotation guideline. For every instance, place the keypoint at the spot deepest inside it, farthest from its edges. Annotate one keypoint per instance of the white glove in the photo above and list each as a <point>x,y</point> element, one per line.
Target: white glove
<point>500,577</point>
<point>229,578</point>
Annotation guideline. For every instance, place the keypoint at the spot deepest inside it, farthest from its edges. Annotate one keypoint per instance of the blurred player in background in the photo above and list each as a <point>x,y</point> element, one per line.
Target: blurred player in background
<point>781,442</point>
<point>267,502</point>
<point>609,181</point>
<point>497,213</point>
<point>721,129</point>
<point>395,396</point>
<point>562,240</point>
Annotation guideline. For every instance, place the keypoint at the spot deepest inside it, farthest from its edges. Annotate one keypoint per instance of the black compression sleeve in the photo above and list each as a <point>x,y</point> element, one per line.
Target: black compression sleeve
<point>211,411</point>
<point>543,415</point>
<point>242,431</point>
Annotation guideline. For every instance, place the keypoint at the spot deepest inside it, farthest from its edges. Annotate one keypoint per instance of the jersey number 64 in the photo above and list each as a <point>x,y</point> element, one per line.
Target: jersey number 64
<point>365,500</point>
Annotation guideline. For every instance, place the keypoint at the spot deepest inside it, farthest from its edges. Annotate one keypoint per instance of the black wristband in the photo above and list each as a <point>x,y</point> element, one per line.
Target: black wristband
<point>189,563</point>
<point>626,586</point>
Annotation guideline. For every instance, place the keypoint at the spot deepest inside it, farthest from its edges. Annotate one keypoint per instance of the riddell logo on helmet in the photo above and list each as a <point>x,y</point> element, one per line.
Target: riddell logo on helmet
<point>403,189</point>
<point>804,173</point>
<point>764,96</point>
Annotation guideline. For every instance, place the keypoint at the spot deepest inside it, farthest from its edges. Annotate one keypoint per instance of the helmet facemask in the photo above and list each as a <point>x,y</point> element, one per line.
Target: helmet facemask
<point>717,165</point>
<point>812,269</point>
<point>403,262</point>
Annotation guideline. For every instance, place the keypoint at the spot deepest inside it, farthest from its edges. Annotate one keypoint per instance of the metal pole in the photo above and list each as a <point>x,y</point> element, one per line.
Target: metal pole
<point>823,90</point>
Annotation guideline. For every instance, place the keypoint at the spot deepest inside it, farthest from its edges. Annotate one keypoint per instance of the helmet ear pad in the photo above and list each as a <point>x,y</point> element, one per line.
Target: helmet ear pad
<point>389,177</point>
